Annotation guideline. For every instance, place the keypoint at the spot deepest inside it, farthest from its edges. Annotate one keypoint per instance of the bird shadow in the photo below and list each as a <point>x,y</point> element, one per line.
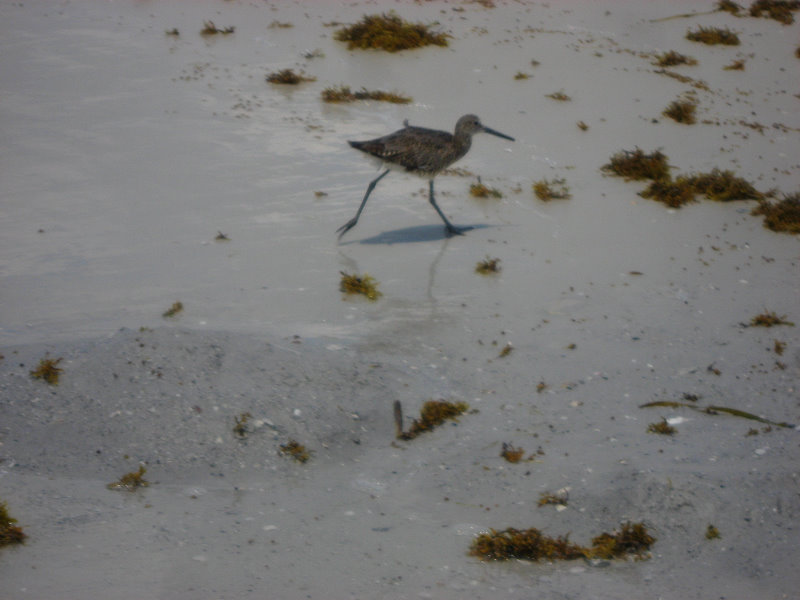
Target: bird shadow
<point>410,235</point>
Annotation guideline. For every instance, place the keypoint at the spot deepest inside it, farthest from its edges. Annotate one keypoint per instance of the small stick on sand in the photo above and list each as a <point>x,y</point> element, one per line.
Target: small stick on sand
<point>398,419</point>
<point>683,16</point>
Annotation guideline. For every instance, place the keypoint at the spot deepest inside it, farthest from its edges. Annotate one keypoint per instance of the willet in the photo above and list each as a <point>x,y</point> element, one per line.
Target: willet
<point>423,152</point>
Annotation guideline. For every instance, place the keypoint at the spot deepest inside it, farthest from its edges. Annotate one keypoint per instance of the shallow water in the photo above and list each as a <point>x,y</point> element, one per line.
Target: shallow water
<point>126,151</point>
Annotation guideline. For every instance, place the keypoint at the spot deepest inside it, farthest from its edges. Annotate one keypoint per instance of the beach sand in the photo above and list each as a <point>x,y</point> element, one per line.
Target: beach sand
<point>126,151</point>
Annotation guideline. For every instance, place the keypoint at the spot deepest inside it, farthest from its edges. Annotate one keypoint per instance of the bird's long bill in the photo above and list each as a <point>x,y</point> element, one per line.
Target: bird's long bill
<point>497,133</point>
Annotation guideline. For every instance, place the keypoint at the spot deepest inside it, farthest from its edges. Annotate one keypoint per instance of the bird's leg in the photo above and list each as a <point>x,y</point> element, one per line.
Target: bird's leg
<point>352,222</point>
<point>451,229</point>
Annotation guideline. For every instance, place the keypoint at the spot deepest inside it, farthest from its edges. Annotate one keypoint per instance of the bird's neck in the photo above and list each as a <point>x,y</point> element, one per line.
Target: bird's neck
<point>462,143</point>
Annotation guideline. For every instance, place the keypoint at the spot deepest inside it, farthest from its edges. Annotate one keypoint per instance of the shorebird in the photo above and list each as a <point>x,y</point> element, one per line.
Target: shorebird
<point>423,152</point>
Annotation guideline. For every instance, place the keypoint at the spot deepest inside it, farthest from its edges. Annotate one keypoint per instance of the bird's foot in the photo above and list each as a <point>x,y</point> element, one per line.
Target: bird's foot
<point>346,227</point>
<point>453,230</point>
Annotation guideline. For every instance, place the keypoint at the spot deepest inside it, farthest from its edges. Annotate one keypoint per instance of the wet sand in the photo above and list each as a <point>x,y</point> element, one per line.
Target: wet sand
<point>126,151</point>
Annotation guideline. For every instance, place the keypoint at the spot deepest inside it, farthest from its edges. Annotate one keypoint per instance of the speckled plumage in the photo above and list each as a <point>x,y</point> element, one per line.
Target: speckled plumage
<point>421,151</point>
<point>417,149</point>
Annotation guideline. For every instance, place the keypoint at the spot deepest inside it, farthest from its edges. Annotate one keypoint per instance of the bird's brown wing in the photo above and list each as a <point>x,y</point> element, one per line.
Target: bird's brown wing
<point>417,149</point>
<point>421,150</point>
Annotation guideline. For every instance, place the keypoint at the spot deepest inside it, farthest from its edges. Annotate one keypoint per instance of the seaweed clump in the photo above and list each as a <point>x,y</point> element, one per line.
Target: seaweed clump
<point>48,370</point>
<point>479,190</point>
<point>296,450</point>
<point>715,185</point>
<point>633,539</point>
<point>551,190</point>
<point>672,193</point>
<point>288,77</point>
<point>559,96</point>
<point>737,65</point>
<point>343,94</point>
<point>712,533</point>
<point>636,165</point>
<point>713,36</point>
<point>781,216</point>
<point>488,266</point>
<point>210,29</point>
<point>724,186</point>
<point>511,453</point>
<point>130,481</point>
<point>769,319</point>
<point>9,532</point>
<point>728,6</point>
<point>241,428</point>
<point>661,427</point>
<point>682,111</point>
<point>389,32</point>
<point>432,414</point>
<point>559,499</point>
<point>780,10</point>
<point>528,544</point>
<point>355,284</point>
<point>673,59</point>
<point>173,310</point>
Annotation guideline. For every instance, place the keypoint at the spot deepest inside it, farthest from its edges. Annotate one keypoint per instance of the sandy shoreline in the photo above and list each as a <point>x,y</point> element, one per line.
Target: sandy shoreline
<point>229,517</point>
<point>129,150</point>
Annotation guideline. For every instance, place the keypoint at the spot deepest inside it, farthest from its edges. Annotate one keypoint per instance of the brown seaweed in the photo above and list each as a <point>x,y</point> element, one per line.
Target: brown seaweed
<point>390,33</point>
<point>636,165</point>
<point>713,410</point>
<point>781,216</point>
<point>288,77</point>
<point>488,266</point>
<point>359,284</point>
<point>130,481</point>
<point>296,450</point>
<point>342,93</point>
<point>632,539</point>
<point>10,533</point>
<point>432,414</point>
<point>713,36</point>
<point>48,370</point>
